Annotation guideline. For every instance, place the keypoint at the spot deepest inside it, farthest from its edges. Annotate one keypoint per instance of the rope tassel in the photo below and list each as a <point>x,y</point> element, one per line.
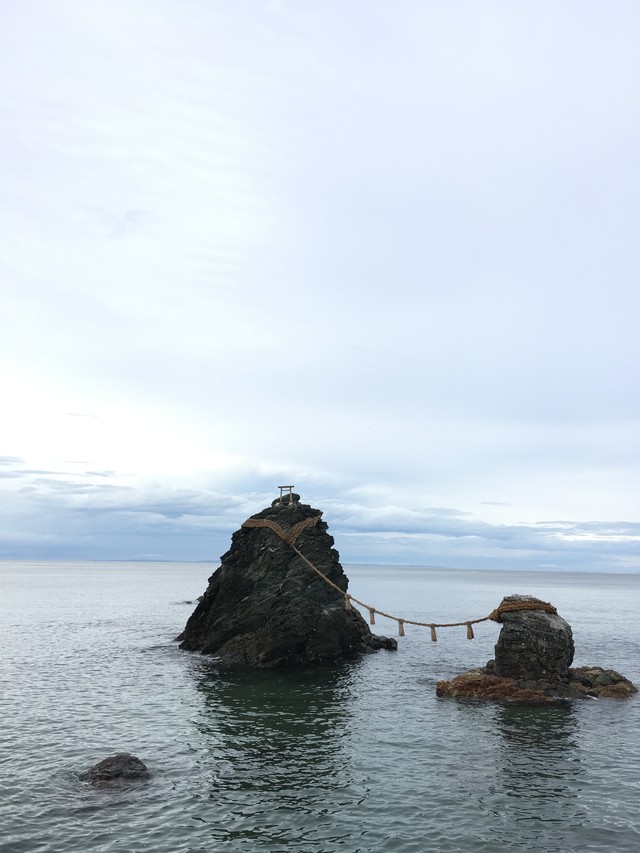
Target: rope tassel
<point>290,536</point>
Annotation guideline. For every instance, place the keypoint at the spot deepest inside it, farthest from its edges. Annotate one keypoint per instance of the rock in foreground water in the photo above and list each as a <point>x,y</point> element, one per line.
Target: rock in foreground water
<point>266,607</point>
<point>114,768</point>
<point>532,662</point>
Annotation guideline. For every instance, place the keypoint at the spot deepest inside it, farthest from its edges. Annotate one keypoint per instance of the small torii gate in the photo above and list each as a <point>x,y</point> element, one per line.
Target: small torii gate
<point>286,490</point>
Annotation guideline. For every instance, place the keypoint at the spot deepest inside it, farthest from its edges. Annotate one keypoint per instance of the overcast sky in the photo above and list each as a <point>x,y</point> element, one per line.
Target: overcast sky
<point>384,251</point>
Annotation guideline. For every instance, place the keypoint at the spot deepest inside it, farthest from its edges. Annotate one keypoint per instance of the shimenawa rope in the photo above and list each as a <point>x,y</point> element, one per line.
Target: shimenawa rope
<point>290,536</point>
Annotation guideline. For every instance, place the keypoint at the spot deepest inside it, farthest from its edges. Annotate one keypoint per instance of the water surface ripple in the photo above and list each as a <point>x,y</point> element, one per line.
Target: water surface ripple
<point>345,759</point>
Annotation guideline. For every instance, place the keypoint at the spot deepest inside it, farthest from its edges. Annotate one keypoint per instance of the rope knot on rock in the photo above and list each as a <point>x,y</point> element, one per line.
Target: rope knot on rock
<point>288,536</point>
<point>516,606</point>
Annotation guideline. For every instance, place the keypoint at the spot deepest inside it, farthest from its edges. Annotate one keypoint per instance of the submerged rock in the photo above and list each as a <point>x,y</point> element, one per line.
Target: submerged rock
<point>532,662</point>
<point>266,607</point>
<point>603,683</point>
<point>586,682</point>
<point>114,768</point>
<point>477,684</point>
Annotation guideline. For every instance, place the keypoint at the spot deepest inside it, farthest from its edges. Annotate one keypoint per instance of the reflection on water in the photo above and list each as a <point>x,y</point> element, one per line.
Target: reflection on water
<point>540,769</point>
<point>274,750</point>
<point>552,727</point>
<point>537,741</point>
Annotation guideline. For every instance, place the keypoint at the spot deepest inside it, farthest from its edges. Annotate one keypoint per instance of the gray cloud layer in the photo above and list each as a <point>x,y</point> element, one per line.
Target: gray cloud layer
<point>58,517</point>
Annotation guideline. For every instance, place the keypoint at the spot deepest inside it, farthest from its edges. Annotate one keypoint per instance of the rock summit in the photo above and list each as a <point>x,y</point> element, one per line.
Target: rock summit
<point>265,606</point>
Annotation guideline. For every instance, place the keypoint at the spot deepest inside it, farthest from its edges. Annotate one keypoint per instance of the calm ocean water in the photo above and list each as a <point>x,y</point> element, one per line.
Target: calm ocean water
<point>343,759</point>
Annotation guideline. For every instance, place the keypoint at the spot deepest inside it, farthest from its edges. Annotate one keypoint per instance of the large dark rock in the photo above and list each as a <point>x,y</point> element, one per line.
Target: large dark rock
<point>266,607</point>
<point>121,767</point>
<point>534,645</point>
<point>532,662</point>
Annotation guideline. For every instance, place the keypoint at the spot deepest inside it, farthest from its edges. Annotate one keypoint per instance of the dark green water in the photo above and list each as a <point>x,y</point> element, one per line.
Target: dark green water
<point>358,757</point>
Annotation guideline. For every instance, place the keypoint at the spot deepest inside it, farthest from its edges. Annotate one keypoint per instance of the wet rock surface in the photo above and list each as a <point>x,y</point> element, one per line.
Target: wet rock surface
<point>582,683</point>
<point>532,662</point>
<point>121,767</point>
<point>533,644</point>
<point>602,683</point>
<point>266,607</point>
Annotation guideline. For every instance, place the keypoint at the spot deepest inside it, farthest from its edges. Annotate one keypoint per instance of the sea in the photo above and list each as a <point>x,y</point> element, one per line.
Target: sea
<point>356,757</point>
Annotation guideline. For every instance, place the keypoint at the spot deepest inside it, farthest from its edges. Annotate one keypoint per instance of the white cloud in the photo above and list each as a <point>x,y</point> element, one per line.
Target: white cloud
<point>388,253</point>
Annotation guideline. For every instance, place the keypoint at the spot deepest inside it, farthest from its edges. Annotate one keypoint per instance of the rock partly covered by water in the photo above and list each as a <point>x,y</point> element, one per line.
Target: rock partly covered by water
<point>266,607</point>
<point>532,662</point>
<point>121,767</point>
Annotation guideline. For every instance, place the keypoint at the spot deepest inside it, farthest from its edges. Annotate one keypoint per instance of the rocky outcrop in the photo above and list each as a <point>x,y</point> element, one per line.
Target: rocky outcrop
<point>532,662</point>
<point>535,645</point>
<point>265,606</point>
<point>121,767</point>
<point>601,683</point>
<point>585,682</point>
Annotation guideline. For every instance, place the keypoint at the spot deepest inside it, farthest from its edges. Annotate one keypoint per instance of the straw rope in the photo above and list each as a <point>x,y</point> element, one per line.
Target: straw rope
<point>289,537</point>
